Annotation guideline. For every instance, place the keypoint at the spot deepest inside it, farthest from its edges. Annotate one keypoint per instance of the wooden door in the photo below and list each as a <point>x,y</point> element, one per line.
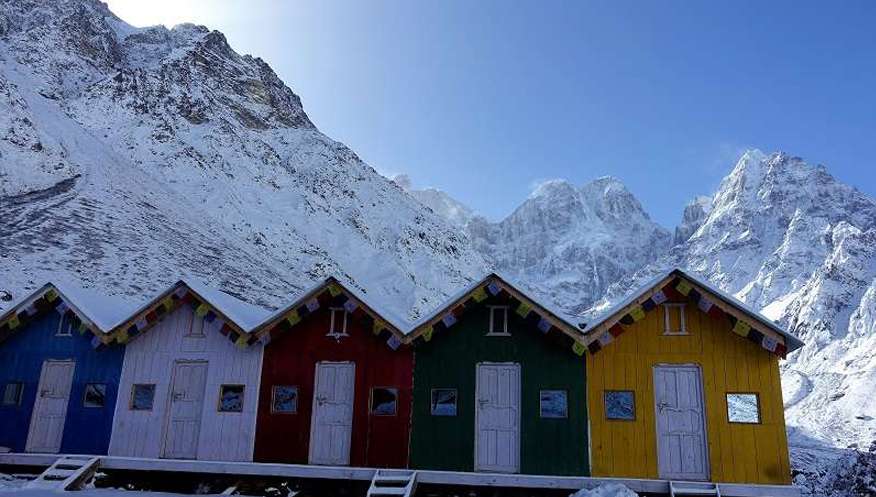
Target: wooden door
<point>331,424</point>
<point>50,408</point>
<point>497,418</point>
<point>185,408</point>
<point>681,427</point>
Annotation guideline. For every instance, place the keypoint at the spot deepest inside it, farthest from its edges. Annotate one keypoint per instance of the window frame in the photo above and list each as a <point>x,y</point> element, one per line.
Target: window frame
<point>455,402</point>
<point>682,321</point>
<point>64,324</point>
<point>332,332</point>
<point>134,386</point>
<point>371,401</point>
<point>199,323</point>
<point>222,387</point>
<point>85,395</point>
<point>274,398</point>
<point>20,397</point>
<point>756,403</point>
<point>565,393</point>
<point>491,328</point>
<point>632,393</point>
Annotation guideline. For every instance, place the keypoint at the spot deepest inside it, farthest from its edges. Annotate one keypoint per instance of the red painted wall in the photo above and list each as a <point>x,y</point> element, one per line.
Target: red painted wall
<point>290,359</point>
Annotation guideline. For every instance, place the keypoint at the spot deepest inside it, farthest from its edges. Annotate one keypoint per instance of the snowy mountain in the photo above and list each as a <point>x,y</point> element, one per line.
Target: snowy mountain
<point>440,202</point>
<point>129,156</point>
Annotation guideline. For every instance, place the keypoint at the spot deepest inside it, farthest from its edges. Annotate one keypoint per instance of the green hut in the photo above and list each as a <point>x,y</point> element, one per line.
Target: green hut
<point>499,386</point>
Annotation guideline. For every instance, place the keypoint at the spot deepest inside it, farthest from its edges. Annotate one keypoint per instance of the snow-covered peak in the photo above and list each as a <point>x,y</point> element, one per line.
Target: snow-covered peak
<point>695,213</point>
<point>438,201</point>
<point>552,188</point>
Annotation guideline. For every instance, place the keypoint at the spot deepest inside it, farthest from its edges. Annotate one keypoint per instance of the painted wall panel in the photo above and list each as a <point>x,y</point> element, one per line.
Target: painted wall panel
<point>150,360</point>
<point>743,453</point>
<point>290,359</point>
<point>548,445</point>
<point>86,429</point>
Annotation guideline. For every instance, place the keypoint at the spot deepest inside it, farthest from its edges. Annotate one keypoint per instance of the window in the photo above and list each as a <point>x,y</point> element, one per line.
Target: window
<point>142,397</point>
<point>553,404</point>
<point>65,327</point>
<point>13,393</point>
<point>338,325</point>
<point>384,401</point>
<point>231,398</point>
<point>284,399</point>
<point>95,395</point>
<point>444,402</point>
<point>673,319</point>
<point>743,408</point>
<point>498,321</point>
<point>620,405</point>
<point>196,330</point>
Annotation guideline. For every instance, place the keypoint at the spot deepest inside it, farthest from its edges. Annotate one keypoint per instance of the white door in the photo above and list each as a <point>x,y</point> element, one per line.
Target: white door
<point>331,424</point>
<point>50,407</point>
<point>497,418</point>
<point>681,425</point>
<point>186,404</point>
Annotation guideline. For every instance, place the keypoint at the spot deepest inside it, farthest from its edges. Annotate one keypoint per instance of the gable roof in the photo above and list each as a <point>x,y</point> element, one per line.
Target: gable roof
<point>95,312</point>
<point>327,292</point>
<point>746,322</point>
<point>492,283</point>
<point>226,314</point>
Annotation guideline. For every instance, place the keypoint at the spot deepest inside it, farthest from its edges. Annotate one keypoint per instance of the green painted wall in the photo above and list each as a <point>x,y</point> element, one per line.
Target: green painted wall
<point>547,446</point>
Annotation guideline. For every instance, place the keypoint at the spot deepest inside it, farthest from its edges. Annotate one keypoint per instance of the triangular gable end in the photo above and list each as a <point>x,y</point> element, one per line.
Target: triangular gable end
<point>45,299</point>
<point>494,286</point>
<point>675,286</point>
<point>178,295</point>
<point>330,293</point>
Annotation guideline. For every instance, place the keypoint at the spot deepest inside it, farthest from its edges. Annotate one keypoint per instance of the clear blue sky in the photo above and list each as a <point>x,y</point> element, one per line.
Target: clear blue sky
<point>484,99</point>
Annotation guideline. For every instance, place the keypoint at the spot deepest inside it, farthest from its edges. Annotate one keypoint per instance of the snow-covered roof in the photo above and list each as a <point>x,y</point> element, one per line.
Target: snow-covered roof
<point>565,322</point>
<point>613,312</point>
<point>395,323</point>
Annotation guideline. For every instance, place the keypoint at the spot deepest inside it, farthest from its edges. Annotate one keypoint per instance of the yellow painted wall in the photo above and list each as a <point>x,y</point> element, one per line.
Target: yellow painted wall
<point>739,453</point>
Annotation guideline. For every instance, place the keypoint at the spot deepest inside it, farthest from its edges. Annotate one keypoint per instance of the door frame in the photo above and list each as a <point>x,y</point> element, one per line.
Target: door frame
<point>168,402</point>
<point>313,408</point>
<point>702,392</point>
<point>477,396</point>
<point>37,402</point>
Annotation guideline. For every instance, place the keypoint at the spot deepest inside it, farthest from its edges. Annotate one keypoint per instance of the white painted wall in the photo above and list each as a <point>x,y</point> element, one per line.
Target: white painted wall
<point>150,358</point>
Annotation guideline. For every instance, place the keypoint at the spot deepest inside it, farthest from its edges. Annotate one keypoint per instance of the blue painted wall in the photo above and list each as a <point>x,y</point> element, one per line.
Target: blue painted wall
<point>87,429</point>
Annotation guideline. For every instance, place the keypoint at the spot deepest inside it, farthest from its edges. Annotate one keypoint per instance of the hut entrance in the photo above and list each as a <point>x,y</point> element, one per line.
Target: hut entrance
<point>497,417</point>
<point>186,407</point>
<point>331,424</point>
<point>681,424</point>
<point>50,407</point>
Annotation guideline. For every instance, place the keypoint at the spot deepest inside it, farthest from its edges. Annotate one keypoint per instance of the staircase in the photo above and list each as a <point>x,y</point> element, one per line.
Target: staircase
<point>393,483</point>
<point>67,473</point>
<point>693,488</point>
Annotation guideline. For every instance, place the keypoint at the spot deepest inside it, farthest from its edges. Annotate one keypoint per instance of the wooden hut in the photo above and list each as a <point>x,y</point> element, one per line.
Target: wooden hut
<point>684,385</point>
<point>60,371</point>
<point>190,377</point>
<point>336,383</point>
<point>499,386</point>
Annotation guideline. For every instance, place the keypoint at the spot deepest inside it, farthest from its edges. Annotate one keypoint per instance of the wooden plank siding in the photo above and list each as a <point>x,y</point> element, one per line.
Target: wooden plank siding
<point>86,429</point>
<point>150,359</point>
<point>449,360</point>
<point>738,453</point>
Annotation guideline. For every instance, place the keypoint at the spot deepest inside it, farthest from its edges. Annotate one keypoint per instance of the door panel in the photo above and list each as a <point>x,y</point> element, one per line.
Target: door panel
<point>497,418</point>
<point>186,405</point>
<point>331,425</point>
<point>681,427</point>
<point>50,407</point>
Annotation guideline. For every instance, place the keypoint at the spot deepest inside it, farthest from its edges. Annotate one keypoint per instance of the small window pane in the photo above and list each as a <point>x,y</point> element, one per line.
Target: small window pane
<point>285,399</point>
<point>443,402</point>
<point>95,395</point>
<point>620,404</point>
<point>498,320</point>
<point>231,398</point>
<point>142,397</point>
<point>553,404</point>
<point>384,401</point>
<point>743,408</point>
<point>12,394</point>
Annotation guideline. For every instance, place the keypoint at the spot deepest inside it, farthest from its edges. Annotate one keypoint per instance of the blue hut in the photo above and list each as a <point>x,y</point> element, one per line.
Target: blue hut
<point>60,371</point>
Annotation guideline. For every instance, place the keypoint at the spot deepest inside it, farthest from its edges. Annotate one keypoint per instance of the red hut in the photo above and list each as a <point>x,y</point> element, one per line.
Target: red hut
<point>336,384</point>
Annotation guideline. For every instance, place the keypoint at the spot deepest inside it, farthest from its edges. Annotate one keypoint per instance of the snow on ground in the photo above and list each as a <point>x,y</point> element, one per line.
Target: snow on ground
<point>607,490</point>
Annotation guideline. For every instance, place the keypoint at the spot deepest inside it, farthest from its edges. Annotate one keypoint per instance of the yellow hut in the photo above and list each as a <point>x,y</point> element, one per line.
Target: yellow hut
<point>683,384</point>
